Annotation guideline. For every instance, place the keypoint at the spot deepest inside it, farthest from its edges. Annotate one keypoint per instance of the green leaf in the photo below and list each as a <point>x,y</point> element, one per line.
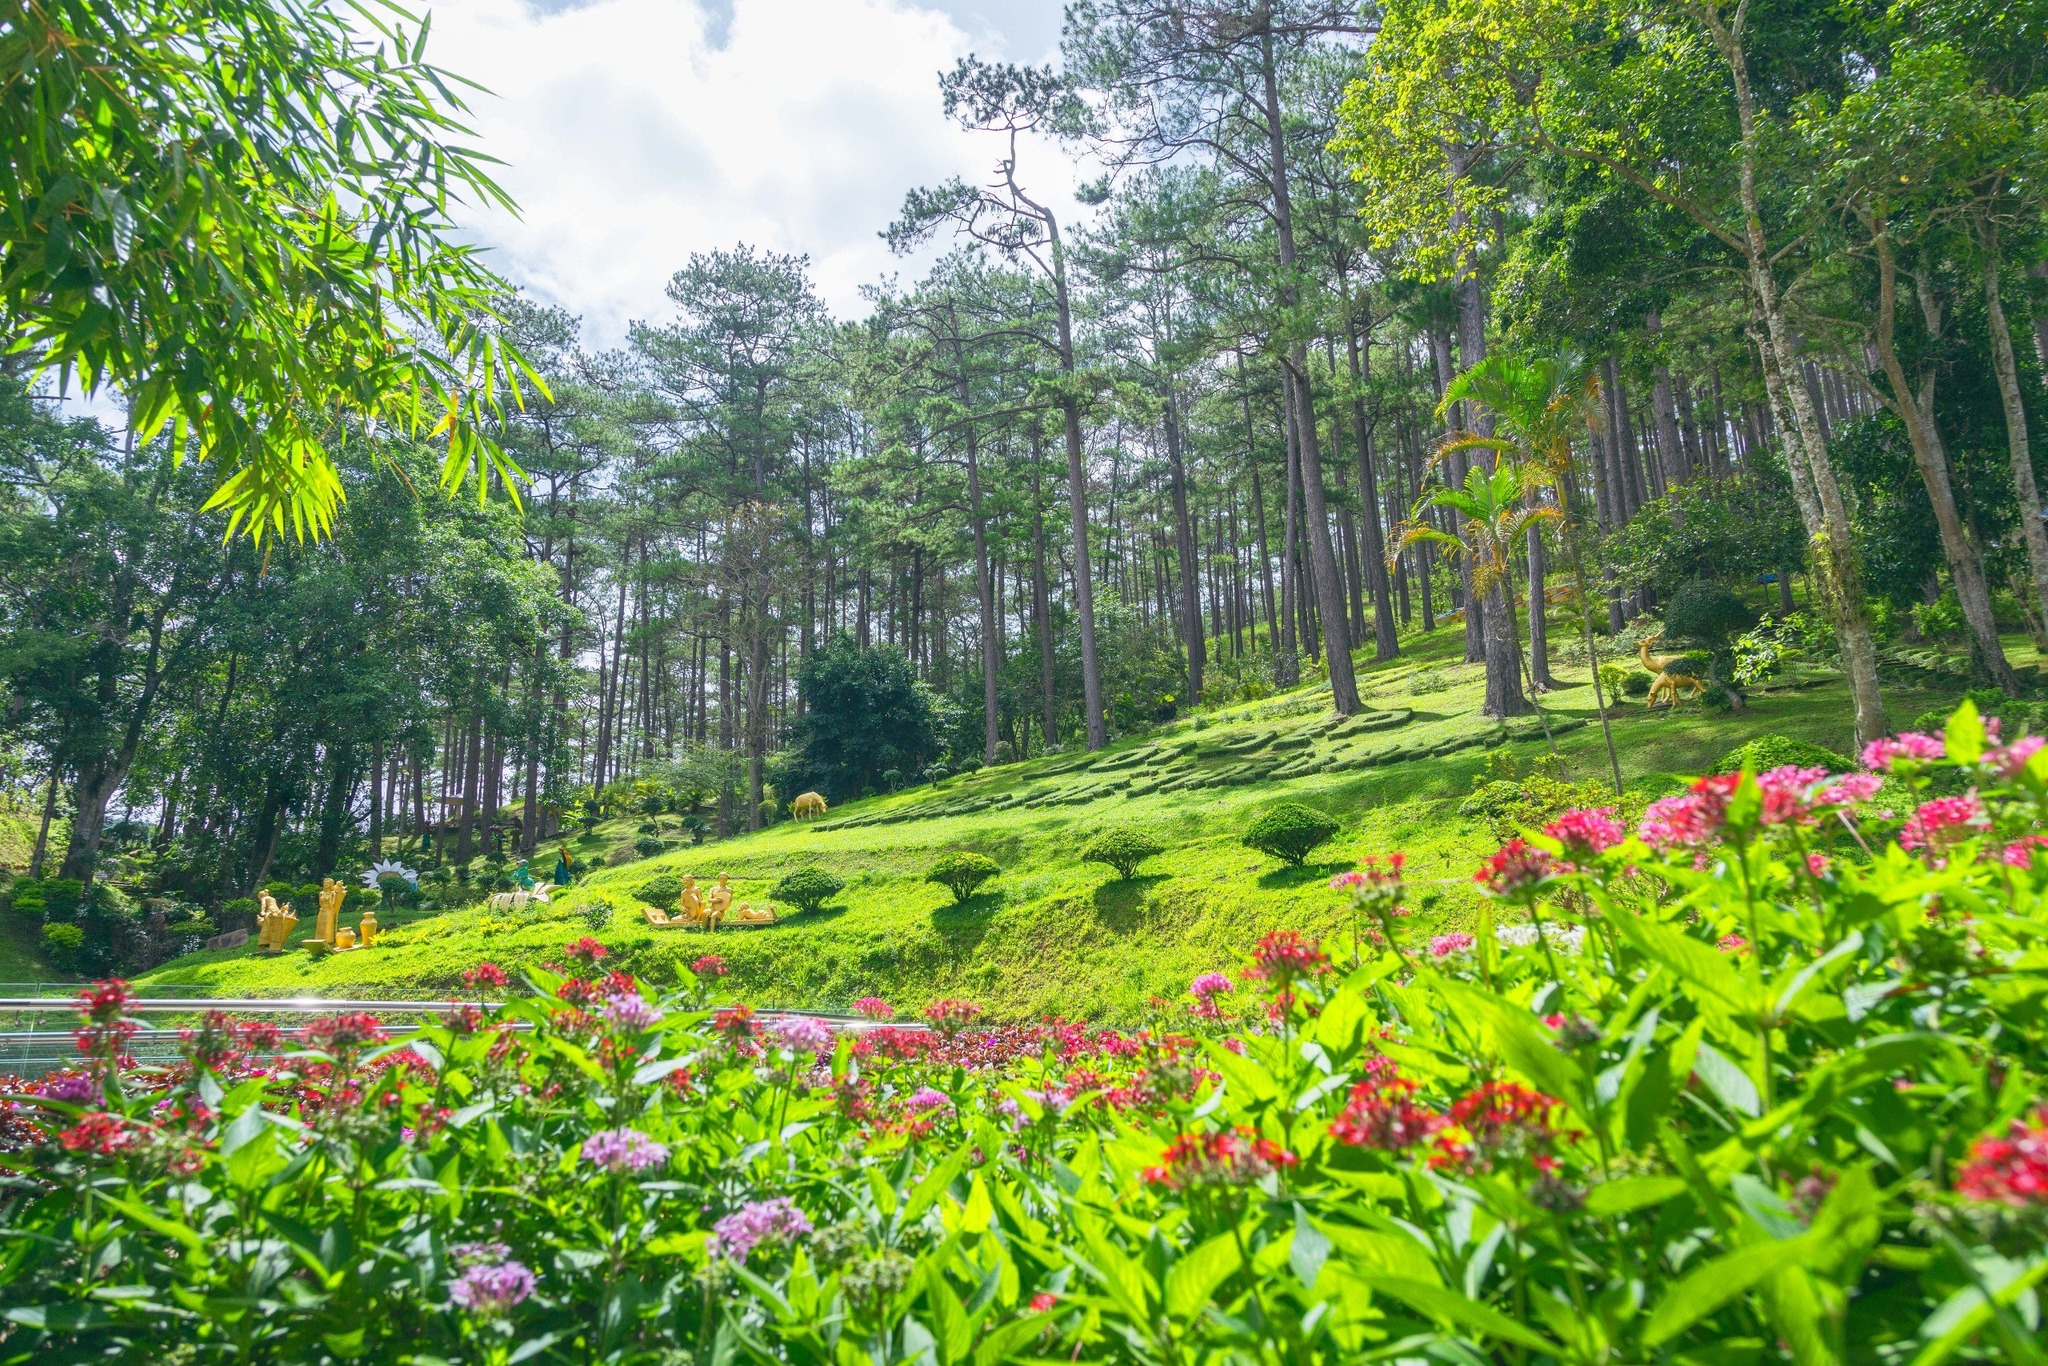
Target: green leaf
<point>1193,1279</point>
<point>1309,1250</point>
<point>1964,734</point>
<point>1705,1289</point>
<point>1633,1193</point>
<point>1451,1307</point>
<point>1521,1041</point>
<point>1729,1083</point>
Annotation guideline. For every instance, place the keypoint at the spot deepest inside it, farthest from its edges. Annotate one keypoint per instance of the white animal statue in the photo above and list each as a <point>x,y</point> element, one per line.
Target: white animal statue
<point>518,901</point>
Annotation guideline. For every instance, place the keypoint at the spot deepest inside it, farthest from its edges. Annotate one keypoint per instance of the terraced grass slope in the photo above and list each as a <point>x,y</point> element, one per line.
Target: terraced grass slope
<point>1054,935</point>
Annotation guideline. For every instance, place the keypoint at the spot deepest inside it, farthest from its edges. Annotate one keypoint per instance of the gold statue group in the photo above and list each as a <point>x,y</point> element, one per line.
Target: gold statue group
<point>275,923</point>
<point>708,910</point>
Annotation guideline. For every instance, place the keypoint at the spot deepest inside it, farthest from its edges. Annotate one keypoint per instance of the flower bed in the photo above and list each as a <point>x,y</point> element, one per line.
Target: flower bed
<point>1759,1080</point>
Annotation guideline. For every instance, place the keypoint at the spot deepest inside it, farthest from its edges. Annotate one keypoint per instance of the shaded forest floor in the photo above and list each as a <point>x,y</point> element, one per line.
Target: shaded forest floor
<point>1055,935</point>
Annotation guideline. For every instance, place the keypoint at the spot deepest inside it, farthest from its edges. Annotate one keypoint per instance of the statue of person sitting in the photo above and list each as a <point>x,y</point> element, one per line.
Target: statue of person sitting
<point>719,901</point>
<point>692,901</point>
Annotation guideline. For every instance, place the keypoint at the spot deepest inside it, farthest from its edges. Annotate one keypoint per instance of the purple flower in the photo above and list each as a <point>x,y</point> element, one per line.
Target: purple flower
<point>631,1012</point>
<point>926,1099</point>
<point>756,1222</point>
<point>803,1034</point>
<point>623,1150</point>
<point>491,1290</point>
<point>73,1088</point>
<point>1208,986</point>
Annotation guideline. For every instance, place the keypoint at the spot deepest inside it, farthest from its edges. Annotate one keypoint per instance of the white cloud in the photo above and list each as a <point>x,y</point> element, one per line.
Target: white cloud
<point>635,132</point>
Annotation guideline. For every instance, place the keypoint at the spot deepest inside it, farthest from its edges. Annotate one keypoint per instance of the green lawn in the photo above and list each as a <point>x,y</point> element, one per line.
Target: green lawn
<point>1053,935</point>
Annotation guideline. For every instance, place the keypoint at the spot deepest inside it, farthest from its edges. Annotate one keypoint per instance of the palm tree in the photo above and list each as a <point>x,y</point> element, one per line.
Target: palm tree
<point>1496,515</point>
<point>1539,404</point>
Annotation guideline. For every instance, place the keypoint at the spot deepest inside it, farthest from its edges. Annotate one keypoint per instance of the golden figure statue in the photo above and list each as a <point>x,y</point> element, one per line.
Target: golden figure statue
<point>274,924</point>
<point>369,930</point>
<point>692,902</point>
<point>331,894</point>
<point>719,901</point>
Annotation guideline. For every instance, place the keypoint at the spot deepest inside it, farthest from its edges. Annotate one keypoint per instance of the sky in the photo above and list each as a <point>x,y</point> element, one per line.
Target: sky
<point>635,132</point>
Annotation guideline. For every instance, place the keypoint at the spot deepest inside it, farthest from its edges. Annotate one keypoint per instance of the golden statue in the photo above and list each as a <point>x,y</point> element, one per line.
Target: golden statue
<point>807,807</point>
<point>369,930</point>
<point>719,901</point>
<point>691,903</point>
<point>274,924</point>
<point>331,894</point>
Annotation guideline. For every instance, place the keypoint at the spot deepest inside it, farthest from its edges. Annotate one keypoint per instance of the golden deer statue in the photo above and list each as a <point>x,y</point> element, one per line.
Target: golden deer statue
<point>1672,678</point>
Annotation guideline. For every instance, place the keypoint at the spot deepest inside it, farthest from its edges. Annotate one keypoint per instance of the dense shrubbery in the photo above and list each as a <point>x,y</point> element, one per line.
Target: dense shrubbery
<point>807,889</point>
<point>1290,832</point>
<point>1726,1089</point>
<point>962,873</point>
<point>1767,752</point>
<point>1122,850</point>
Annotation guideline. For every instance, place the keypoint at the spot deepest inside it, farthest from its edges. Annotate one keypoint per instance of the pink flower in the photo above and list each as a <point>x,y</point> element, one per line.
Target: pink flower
<point>1847,789</point>
<point>1515,868</point>
<point>754,1223</point>
<point>1457,941</point>
<point>804,1034</point>
<point>1817,864</point>
<point>1381,1113</point>
<point>949,1017</point>
<point>1284,957</point>
<point>484,975</point>
<point>710,965</point>
<point>1941,824</point>
<point>1233,1158</point>
<point>2011,1170</point>
<point>2009,761</point>
<point>586,950</point>
<point>491,1289</point>
<point>1375,888</point>
<point>1692,819</point>
<point>1043,1301</point>
<point>873,1008</point>
<point>1586,832</point>
<point>2020,853</point>
<point>1732,943</point>
<point>623,1150</point>
<point>1784,791</point>
<point>1208,986</point>
<point>925,1100</point>
<point>1912,745</point>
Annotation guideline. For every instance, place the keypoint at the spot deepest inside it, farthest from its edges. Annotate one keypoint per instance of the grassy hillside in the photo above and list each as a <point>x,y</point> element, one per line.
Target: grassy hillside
<point>1053,934</point>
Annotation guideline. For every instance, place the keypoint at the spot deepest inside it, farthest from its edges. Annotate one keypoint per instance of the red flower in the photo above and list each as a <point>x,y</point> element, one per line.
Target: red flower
<point>344,1033</point>
<point>1283,957</point>
<point>107,1001</point>
<point>710,965</point>
<point>485,975</point>
<point>101,1133</point>
<point>2012,1170</point>
<point>587,950</point>
<point>949,1017</point>
<point>1043,1301</point>
<point>1381,1113</point>
<point>1498,1121</point>
<point>1514,869</point>
<point>735,1024</point>
<point>1235,1157</point>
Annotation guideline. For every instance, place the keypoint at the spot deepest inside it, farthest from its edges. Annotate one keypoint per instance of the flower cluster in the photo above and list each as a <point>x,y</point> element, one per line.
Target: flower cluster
<point>1497,1122</point>
<point>804,1034</point>
<point>623,1150</point>
<point>1376,887</point>
<point>485,977</point>
<point>1284,957</point>
<point>1451,944</point>
<point>2011,1169</point>
<point>631,1013</point>
<point>1516,869</point>
<point>1885,755</point>
<point>1939,825</point>
<point>586,951</point>
<point>1232,1157</point>
<point>950,1017</point>
<point>1586,832</point>
<point>874,1008</point>
<point>758,1221</point>
<point>491,1283</point>
<point>1381,1113</point>
<point>710,967</point>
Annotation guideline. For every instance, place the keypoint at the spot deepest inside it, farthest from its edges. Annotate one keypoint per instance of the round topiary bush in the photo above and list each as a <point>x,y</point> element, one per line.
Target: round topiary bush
<point>807,889</point>
<point>1290,831</point>
<point>1122,850</point>
<point>1767,752</point>
<point>1707,612</point>
<point>961,873</point>
<point>662,891</point>
<point>647,846</point>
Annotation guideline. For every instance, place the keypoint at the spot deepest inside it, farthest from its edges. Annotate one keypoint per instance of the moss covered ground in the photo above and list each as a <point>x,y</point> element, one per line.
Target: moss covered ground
<point>1054,935</point>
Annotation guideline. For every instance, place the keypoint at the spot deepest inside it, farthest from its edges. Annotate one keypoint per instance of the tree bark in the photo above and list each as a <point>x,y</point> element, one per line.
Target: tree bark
<point>2006,367</point>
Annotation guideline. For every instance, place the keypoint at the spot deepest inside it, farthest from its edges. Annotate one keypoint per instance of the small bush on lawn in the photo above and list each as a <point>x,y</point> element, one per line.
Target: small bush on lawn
<point>1767,752</point>
<point>65,944</point>
<point>1290,832</point>
<point>1122,850</point>
<point>807,889</point>
<point>1723,1088</point>
<point>595,914</point>
<point>1635,683</point>
<point>665,890</point>
<point>962,873</point>
<point>647,846</point>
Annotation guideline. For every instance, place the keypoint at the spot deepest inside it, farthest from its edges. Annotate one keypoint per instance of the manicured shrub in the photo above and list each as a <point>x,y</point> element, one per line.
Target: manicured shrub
<point>647,846</point>
<point>1767,752</point>
<point>595,914</point>
<point>61,896</point>
<point>1706,612</point>
<point>962,872</point>
<point>1635,683</point>
<point>1122,850</point>
<point>807,889</point>
<point>65,945</point>
<point>1290,832</point>
<point>27,898</point>
<point>664,891</point>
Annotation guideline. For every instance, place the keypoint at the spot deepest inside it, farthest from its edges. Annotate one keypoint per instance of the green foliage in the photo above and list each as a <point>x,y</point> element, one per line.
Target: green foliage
<point>1705,612</point>
<point>1711,533</point>
<point>962,872</point>
<point>1290,832</point>
<point>1635,683</point>
<point>666,890</point>
<point>647,846</point>
<point>27,898</point>
<point>595,914</point>
<point>808,889</point>
<point>1510,806</point>
<point>1767,752</point>
<point>867,719</point>
<point>1122,850</point>
<point>65,944</point>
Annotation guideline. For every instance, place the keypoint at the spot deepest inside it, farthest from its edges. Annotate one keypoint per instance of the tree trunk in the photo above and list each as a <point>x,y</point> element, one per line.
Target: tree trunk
<point>1041,599</point>
<point>1184,534</point>
<point>1386,640</point>
<point>2006,366</point>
